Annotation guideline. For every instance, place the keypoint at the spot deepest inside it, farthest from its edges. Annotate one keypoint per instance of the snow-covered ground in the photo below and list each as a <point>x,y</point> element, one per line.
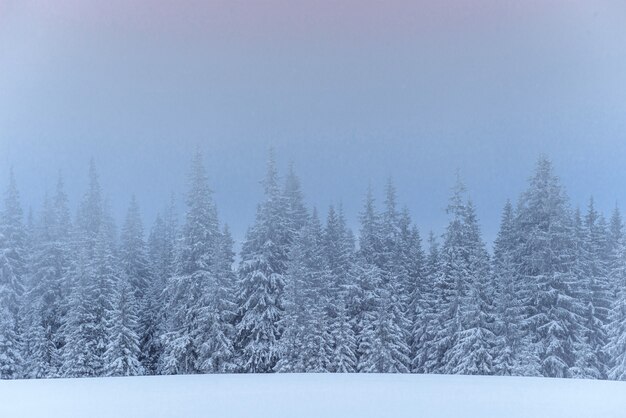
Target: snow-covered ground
<point>313,395</point>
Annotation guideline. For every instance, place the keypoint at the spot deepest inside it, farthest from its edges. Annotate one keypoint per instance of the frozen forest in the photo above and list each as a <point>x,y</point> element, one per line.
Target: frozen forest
<point>80,297</point>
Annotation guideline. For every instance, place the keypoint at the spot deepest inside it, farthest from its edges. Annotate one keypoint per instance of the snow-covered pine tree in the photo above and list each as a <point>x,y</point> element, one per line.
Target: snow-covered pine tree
<point>292,321</point>
<point>390,236</point>
<point>162,253</point>
<point>12,271</point>
<point>371,241</point>
<point>511,354</point>
<point>90,213</point>
<point>472,351</point>
<point>162,244</point>
<point>264,257</point>
<point>121,357</point>
<point>79,354</point>
<point>412,261</point>
<point>338,247</point>
<point>104,281</point>
<point>317,344</point>
<point>137,270</point>
<point>381,344</point>
<point>92,278</point>
<point>369,281</point>
<point>594,294</point>
<point>426,302</point>
<point>616,327</point>
<point>296,213</point>
<point>46,297</point>
<point>188,323</point>
<point>615,239</point>
<point>451,285</point>
<point>546,268</point>
<point>134,253</point>
<point>217,351</point>
<point>398,265</point>
<point>616,346</point>
<point>381,322</point>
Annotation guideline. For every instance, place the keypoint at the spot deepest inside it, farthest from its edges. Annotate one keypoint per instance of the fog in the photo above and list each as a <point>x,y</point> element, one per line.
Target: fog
<point>350,94</point>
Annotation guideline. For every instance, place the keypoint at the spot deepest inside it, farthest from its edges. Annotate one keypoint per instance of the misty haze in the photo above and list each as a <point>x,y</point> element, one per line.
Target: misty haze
<point>381,193</point>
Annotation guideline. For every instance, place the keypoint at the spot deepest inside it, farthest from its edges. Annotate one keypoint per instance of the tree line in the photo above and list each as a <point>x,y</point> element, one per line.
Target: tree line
<point>78,298</point>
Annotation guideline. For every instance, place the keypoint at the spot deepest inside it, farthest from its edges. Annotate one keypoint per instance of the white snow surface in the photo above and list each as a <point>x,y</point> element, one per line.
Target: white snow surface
<point>313,395</point>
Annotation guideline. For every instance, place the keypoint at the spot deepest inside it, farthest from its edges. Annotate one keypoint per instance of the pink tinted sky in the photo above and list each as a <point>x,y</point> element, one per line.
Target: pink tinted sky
<point>351,90</point>
<point>283,20</point>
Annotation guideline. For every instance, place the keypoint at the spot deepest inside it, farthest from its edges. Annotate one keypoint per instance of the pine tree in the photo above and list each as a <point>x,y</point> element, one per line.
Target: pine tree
<point>616,328</point>
<point>371,242</point>
<point>472,352</point>
<point>317,341</point>
<point>79,355</point>
<point>451,285</point>
<point>261,281</point>
<point>381,323</point>
<point>105,279</point>
<point>594,294</point>
<point>511,354</point>
<point>12,271</point>
<point>90,213</point>
<point>545,251</point>
<point>162,253</point>
<point>411,259</point>
<point>46,296</point>
<point>188,322</point>
<point>615,241</point>
<point>136,268</point>
<point>218,350</point>
<point>121,357</point>
<point>424,349</point>
<point>401,273</point>
<point>381,344</point>
<point>338,248</point>
<point>296,213</point>
<point>292,322</point>
<point>134,254</point>
<point>92,277</point>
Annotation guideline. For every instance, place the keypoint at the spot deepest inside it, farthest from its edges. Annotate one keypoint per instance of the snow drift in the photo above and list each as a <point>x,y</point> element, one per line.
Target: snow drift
<point>313,395</point>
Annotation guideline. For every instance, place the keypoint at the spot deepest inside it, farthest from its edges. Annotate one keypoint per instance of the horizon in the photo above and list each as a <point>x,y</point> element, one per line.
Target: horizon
<point>119,210</point>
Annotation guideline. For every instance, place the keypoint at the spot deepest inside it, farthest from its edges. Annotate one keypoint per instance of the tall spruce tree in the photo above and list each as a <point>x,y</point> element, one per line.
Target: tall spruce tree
<point>381,322</point>
<point>451,285</point>
<point>79,354</point>
<point>426,302</point>
<point>616,327</point>
<point>46,298</point>
<point>338,248</point>
<point>12,271</point>
<point>122,356</point>
<point>511,353</point>
<point>472,350</point>
<point>162,253</point>
<point>217,350</point>
<point>134,253</point>
<point>546,267</point>
<point>93,276</point>
<point>137,271</point>
<point>594,294</point>
<point>188,323</point>
<point>264,258</point>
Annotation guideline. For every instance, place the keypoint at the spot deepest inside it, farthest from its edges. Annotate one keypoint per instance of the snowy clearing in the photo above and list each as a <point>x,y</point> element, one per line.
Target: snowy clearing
<point>313,395</point>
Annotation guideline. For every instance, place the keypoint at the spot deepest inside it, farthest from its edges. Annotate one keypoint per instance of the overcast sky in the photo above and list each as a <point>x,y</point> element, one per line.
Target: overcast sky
<point>351,91</point>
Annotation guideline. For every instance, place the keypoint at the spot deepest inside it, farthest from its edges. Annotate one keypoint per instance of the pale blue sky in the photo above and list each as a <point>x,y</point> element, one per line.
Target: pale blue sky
<point>350,94</point>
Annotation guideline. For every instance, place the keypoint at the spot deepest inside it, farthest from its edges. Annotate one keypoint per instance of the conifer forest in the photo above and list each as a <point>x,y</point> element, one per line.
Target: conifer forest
<point>82,297</point>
